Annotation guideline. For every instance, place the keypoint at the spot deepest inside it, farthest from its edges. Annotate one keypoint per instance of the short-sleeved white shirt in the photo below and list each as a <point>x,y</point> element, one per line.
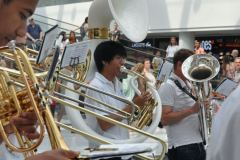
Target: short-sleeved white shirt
<point>186,131</point>
<point>114,87</point>
<point>171,50</point>
<point>225,140</point>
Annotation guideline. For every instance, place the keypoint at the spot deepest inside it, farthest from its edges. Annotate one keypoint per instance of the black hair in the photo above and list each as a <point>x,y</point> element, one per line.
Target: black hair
<point>86,20</point>
<point>181,55</point>
<point>228,59</point>
<point>7,1</point>
<point>106,51</point>
<point>63,33</point>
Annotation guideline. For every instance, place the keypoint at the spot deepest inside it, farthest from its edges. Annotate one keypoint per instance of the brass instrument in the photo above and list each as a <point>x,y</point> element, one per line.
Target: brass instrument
<point>25,100</point>
<point>100,14</point>
<point>200,69</point>
<point>88,134</point>
<point>147,111</point>
<point>132,31</point>
<point>14,102</point>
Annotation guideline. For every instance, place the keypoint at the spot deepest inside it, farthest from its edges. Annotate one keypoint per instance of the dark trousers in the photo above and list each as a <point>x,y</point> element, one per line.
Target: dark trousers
<point>194,151</point>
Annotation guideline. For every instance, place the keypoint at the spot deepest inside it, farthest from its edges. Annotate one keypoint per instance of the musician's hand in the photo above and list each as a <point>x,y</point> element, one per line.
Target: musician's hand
<point>206,103</point>
<point>142,99</point>
<point>195,108</point>
<point>55,155</point>
<point>25,123</point>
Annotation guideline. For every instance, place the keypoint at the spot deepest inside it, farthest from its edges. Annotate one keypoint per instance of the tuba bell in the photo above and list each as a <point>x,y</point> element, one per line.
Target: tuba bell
<point>200,69</point>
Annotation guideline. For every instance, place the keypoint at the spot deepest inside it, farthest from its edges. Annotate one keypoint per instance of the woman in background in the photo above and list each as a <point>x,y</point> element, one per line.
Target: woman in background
<point>72,37</point>
<point>127,88</point>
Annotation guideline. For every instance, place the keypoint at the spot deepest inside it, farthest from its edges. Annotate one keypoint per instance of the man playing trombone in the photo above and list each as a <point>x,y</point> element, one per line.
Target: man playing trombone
<point>109,56</point>
<point>13,16</point>
<point>180,114</point>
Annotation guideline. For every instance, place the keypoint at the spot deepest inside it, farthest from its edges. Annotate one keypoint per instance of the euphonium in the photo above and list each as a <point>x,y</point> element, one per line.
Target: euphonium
<point>146,113</point>
<point>200,69</point>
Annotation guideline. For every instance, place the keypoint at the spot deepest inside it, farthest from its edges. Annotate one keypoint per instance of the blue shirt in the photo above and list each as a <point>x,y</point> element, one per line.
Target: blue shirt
<point>34,31</point>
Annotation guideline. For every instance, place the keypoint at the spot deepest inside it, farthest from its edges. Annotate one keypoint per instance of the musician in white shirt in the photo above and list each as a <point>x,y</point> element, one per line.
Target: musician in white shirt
<point>109,56</point>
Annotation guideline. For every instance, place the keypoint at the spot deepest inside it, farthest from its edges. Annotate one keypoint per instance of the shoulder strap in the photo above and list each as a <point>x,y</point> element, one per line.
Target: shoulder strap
<point>183,89</point>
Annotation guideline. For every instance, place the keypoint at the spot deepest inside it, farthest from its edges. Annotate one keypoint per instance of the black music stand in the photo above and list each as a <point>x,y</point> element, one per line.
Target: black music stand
<point>48,43</point>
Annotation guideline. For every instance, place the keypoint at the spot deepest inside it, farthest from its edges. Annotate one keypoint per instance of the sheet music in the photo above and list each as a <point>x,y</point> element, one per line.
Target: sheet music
<point>48,43</point>
<point>165,71</point>
<point>75,54</point>
<point>226,87</point>
<point>117,150</point>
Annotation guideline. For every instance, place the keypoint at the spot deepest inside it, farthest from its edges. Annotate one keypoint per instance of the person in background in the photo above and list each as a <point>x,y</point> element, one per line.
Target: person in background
<point>64,41</point>
<point>157,62</point>
<point>235,53</point>
<point>197,48</point>
<point>72,37</point>
<point>229,66</point>
<point>115,33</point>
<point>172,48</point>
<point>84,30</point>
<point>34,34</point>
<point>237,69</point>
<point>127,88</point>
<point>148,73</point>
<point>13,17</point>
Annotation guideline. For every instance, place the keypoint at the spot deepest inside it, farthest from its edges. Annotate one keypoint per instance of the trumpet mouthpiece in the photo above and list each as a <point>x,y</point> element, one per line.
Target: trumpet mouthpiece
<point>124,69</point>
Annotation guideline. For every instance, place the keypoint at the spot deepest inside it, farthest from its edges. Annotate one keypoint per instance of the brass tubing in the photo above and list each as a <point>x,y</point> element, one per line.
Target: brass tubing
<point>107,119</point>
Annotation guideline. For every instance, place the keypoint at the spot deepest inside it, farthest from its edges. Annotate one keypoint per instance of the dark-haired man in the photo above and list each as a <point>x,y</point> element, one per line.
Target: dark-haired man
<point>13,17</point>
<point>180,114</point>
<point>109,56</point>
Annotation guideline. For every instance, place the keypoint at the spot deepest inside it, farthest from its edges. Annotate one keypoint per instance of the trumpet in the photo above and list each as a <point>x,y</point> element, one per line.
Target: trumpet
<point>24,100</point>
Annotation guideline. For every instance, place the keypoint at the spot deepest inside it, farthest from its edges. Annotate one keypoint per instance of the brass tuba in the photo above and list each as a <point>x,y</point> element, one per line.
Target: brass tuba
<point>148,111</point>
<point>200,69</point>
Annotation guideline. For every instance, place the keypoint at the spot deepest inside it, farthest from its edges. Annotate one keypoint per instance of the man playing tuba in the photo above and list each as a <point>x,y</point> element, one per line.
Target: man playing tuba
<point>180,114</point>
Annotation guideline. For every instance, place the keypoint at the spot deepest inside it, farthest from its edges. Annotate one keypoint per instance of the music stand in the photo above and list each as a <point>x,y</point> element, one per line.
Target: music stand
<point>74,54</point>
<point>53,65</point>
<point>226,87</point>
<point>48,43</point>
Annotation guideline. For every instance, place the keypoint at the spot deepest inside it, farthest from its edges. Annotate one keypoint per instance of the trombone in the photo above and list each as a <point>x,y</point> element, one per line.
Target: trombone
<point>44,113</point>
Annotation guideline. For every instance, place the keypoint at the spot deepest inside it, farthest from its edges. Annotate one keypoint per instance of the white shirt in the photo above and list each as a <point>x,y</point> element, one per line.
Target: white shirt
<point>115,87</point>
<point>171,50</point>
<point>225,140</point>
<point>186,131</point>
